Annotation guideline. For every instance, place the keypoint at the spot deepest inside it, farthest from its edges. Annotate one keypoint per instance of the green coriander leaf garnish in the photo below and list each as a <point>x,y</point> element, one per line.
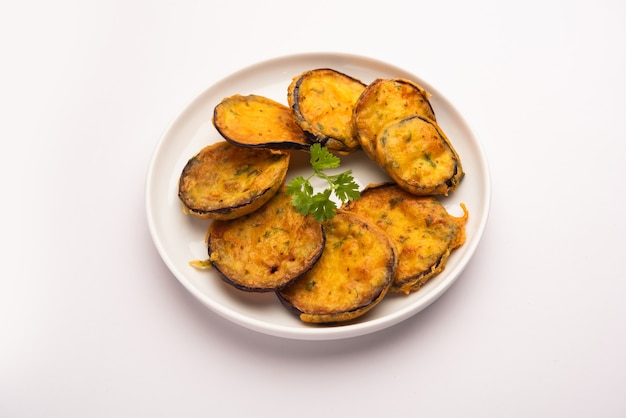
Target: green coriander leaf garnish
<point>346,188</point>
<point>322,159</point>
<point>320,205</point>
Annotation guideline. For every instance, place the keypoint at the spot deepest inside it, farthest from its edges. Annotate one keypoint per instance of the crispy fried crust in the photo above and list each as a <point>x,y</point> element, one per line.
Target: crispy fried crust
<point>418,156</point>
<point>256,121</point>
<point>423,232</point>
<point>352,276</point>
<point>267,249</point>
<point>322,101</point>
<point>224,181</point>
<point>383,101</point>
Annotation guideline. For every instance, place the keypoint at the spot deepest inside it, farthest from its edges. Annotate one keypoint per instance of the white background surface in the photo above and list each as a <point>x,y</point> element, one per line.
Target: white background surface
<point>92,323</point>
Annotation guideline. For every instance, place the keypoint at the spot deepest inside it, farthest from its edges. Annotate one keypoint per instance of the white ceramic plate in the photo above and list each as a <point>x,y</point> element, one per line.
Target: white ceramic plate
<point>179,238</point>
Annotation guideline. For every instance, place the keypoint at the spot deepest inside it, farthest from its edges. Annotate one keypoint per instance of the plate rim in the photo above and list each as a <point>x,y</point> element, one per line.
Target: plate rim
<point>305,332</point>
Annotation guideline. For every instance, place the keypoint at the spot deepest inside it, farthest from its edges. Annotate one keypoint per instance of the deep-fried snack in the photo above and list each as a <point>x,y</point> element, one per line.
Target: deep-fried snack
<point>383,101</point>
<point>423,232</point>
<point>267,249</point>
<point>322,101</point>
<point>224,181</point>
<point>417,155</point>
<point>256,121</point>
<point>352,276</point>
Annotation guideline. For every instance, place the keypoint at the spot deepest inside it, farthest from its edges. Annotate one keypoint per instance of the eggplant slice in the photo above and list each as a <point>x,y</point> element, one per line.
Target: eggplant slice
<point>418,156</point>
<point>386,100</point>
<point>258,122</point>
<point>423,232</point>
<point>267,249</point>
<point>322,101</point>
<point>352,276</point>
<point>224,181</point>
